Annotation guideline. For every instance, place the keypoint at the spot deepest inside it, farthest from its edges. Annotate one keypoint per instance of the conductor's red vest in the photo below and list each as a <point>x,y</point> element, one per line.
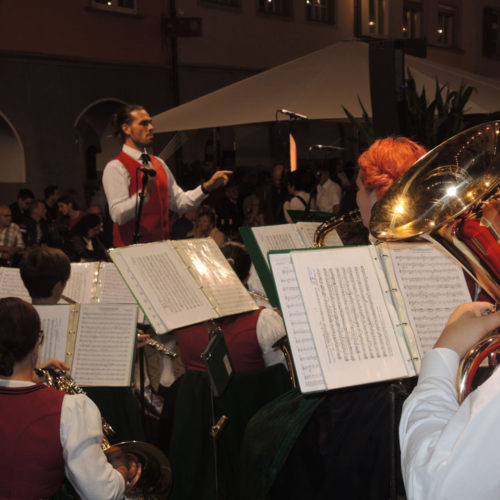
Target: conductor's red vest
<point>154,220</point>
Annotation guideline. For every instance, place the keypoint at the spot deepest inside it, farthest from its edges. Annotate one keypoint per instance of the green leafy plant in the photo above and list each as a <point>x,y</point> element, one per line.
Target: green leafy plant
<point>428,123</point>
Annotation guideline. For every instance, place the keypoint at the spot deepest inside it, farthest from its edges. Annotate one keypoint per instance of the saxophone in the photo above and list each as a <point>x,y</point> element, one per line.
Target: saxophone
<point>348,226</point>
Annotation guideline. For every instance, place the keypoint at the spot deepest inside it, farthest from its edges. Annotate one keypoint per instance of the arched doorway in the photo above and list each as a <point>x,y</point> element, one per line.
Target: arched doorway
<point>11,153</point>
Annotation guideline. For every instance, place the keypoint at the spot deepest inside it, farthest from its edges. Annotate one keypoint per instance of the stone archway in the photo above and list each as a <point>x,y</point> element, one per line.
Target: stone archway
<point>11,153</point>
<point>94,131</point>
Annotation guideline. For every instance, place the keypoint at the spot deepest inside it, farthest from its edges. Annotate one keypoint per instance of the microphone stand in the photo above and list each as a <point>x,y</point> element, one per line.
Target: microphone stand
<point>136,239</point>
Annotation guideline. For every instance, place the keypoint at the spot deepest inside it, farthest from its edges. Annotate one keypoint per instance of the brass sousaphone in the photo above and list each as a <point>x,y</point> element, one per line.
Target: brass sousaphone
<point>451,197</point>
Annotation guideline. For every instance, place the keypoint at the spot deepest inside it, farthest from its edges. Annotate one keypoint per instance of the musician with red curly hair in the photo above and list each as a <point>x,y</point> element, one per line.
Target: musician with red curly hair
<point>380,166</point>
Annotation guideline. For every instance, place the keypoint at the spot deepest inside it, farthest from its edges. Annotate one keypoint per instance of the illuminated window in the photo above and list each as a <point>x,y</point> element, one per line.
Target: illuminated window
<point>276,7</point>
<point>412,20</point>
<point>446,26</point>
<point>321,11</point>
<point>377,17</point>
<point>124,6</point>
<point>491,32</point>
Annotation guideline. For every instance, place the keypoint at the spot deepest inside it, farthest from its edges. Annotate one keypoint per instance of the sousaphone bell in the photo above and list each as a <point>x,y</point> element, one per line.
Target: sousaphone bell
<point>451,198</point>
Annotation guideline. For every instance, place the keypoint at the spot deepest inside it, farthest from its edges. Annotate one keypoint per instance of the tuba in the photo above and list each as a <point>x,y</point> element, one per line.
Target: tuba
<point>155,476</point>
<point>451,197</point>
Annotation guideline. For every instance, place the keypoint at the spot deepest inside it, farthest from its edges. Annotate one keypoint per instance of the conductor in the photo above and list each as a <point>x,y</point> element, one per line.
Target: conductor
<point>123,178</point>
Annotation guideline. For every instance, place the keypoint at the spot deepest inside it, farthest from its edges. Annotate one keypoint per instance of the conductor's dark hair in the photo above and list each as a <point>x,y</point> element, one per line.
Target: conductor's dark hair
<point>19,330</point>
<point>237,255</point>
<point>124,115</point>
<point>41,268</point>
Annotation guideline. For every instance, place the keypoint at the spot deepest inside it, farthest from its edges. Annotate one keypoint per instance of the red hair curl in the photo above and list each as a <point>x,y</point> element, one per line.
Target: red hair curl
<point>386,160</point>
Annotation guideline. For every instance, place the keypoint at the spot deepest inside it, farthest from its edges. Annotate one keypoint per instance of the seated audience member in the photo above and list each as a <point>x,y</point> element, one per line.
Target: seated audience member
<point>47,434</point>
<point>183,224</point>
<point>249,336</point>
<point>328,192</point>
<point>228,210</point>
<point>298,187</point>
<point>20,207</point>
<point>51,195</point>
<point>85,244</point>
<point>204,226</point>
<point>11,238</point>
<point>69,208</point>
<point>273,194</point>
<point>252,213</point>
<point>34,225</point>
<point>450,450</point>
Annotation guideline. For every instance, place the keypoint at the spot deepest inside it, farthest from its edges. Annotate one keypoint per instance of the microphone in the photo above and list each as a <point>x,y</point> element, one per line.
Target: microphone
<point>145,161</point>
<point>326,147</point>
<point>292,114</point>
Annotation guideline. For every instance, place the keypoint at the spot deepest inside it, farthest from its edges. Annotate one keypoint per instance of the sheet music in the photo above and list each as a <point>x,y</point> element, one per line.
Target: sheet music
<point>352,329</point>
<point>112,288</point>
<point>82,282</point>
<point>308,229</point>
<point>11,284</point>
<point>162,285</point>
<point>55,321</point>
<point>432,286</point>
<point>300,337</point>
<point>279,237</point>
<point>216,275</point>
<point>105,343</point>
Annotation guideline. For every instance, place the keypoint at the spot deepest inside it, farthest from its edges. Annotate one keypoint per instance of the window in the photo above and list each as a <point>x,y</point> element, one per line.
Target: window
<point>446,26</point>
<point>491,32</point>
<point>221,3</point>
<point>412,20</point>
<point>123,6</point>
<point>276,7</point>
<point>377,13</point>
<point>321,11</point>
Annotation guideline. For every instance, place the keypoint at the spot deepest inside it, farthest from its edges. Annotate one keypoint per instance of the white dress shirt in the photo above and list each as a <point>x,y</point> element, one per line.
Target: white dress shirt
<point>450,451</point>
<point>295,203</point>
<point>122,206</point>
<point>85,464</point>
<point>328,195</point>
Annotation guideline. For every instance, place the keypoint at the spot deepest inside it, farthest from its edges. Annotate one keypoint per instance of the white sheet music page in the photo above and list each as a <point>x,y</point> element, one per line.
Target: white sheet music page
<point>82,282</point>
<point>163,287</point>
<point>215,276</point>
<point>432,286</point>
<point>351,326</point>
<point>105,343</point>
<point>55,321</point>
<point>305,357</point>
<point>279,237</point>
<point>111,287</point>
<point>308,229</point>
<point>11,284</point>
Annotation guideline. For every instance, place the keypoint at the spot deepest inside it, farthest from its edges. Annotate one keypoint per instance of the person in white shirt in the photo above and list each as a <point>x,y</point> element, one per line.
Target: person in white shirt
<point>328,193</point>
<point>298,187</point>
<point>450,450</point>
<point>122,180</point>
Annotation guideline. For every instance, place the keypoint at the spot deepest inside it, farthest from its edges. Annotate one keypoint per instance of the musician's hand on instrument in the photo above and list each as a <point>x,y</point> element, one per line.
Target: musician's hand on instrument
<point>467,325</point>
<point>53,364</point>
<point>134,473</point>
<point>220,178</point>
<point>142,339</point>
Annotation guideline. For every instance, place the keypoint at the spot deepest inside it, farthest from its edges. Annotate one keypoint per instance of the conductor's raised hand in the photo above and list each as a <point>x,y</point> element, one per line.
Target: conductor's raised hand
<point>467,325</point>
<point>219,179</point>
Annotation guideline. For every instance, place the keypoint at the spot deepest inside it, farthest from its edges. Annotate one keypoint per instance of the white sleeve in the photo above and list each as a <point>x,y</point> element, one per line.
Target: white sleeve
<point>270,328</point>
<point>181,201</point>
<point>86,466</point>
<point>447,450</point>
<point>116,182</point>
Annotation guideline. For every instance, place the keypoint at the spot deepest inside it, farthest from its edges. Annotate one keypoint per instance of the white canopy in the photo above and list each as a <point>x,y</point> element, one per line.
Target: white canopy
<point>316,85</point>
